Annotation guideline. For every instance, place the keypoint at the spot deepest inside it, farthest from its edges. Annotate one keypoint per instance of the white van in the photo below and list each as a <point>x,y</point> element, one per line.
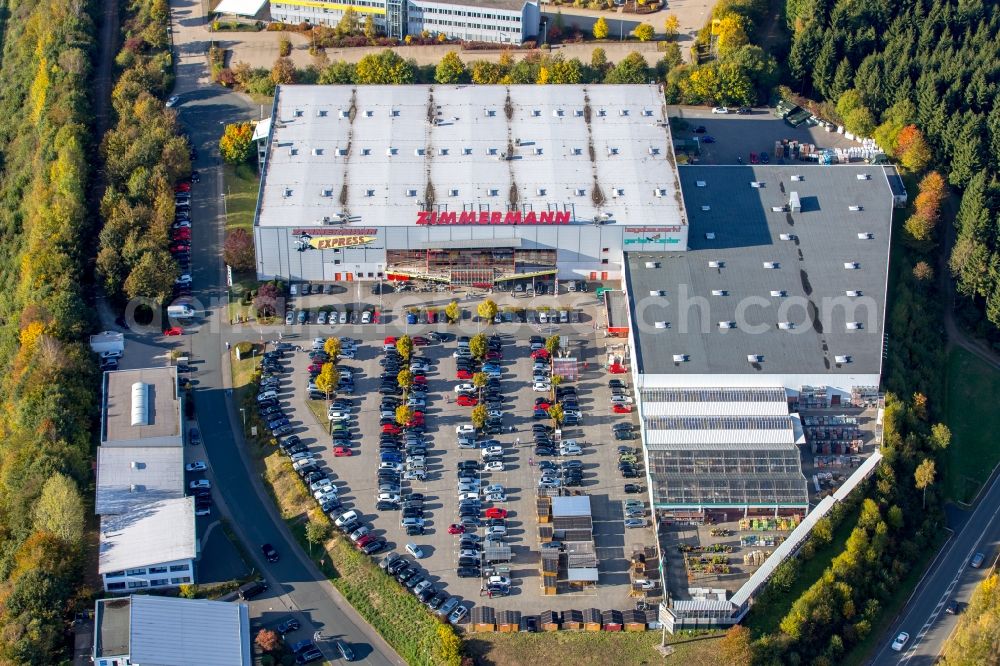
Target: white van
<point>180,311</point>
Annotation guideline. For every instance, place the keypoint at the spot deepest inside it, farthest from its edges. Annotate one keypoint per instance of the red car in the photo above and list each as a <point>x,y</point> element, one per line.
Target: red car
<point>455,528</point>
<point>621,409</point>
<point>431,317</point>
<point>542,405</point>
<point>419,379</point>
<point>174,330</point>
<point>540,354</point>
<point>753,158</point>
<point>494,512</point>
<point>315,367</point>
<point>365,540</point>
<point>467,401</point>
<point>494,355</point>
<point>342,452</point>
<point>390,340</point>
<point>182,187</point>
<point>391,429</point>
<point>420,341</point>
<point>463,374</point>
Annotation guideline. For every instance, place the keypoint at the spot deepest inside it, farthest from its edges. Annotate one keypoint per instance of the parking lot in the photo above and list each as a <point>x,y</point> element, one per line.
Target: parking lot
<point>358,486</point>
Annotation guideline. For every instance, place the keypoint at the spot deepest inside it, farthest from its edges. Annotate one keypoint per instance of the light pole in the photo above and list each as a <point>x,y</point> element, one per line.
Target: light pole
<point>243,412</point>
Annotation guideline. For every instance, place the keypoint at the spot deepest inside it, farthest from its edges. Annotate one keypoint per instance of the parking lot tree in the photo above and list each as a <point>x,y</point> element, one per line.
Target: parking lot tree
<point>404,345</point>
<point>332,347</point>
<point>267,639</point>
<point>552,344</point>
<point>557,380</point>
<point>152,276</point>
<point>644,32</point>
<point>480,379</point>
<point>266,300</point>
<point>328,379</point>
<point>317,531</point>
<point>405,379</point>
<point>478,346</point>
<point>404,414</point>
<point>451,69</point>
<point>237,250</point>
<point>488,310</point>
<point>601,29</point>
<point>478,416</point>
<point>557,414</point>
<point>452,311</point>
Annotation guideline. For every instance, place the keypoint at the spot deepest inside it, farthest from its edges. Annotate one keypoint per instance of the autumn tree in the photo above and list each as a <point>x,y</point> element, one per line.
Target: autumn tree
<point>644,32</point>
<point>630,69</point>
<point>478,416</point>
<point>385,67</point>
<point>348,24</point>
<point>923,271</point>
<point>267,300</point>
<point>601,29</point>
<point>552,344</point>
<point>671,26</point>
<point>912,149</point>
<point>370,31</point>
<point>924,477</point>
<point>236,144</point>
<point>478,346</point>
<point>557,414</point>
<point>730,33</point>
<point>485,72</point>
<point>405,379</point>
<point>238,250</point>
<point>283,71</point>
<point>452,311</point>
<point>404,345</point>
<point>59,509</point>
<point>932,191</point>
<point>327,379</point>
<point>404,414</point>
<point>735,647</point>
<point>487,310</point>
<point>317,532</point>
<point>284,46</point>
<point>450,69</point>
<point>480,379</point>
<point>267,640</point>
<point>599,60</point>
<point>152,276</point>
<point>332,347</point>
<point>940,436</point>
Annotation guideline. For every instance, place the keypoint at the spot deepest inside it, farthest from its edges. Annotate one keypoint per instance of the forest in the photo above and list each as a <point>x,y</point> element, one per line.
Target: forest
<point>49,378</point>
<point>932,65</point>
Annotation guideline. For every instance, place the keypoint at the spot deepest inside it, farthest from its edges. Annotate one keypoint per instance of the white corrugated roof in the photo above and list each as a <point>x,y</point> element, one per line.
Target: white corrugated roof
<point>748,437</point>
<point>395,141</point>
<point>150,534</point>
<point>776,408</point>
<point>239,7</point>
<point>576,505</point>
<point>131,475</point>
<point>181,632</point>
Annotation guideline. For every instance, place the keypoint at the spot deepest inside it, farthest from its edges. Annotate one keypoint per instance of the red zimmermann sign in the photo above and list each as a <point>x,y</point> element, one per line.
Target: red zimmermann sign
<point>435,218</point>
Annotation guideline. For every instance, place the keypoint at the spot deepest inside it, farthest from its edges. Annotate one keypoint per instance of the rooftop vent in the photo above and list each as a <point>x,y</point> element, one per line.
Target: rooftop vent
<point>442,151</point>
<point>540,192</point>
<point>700,183</point>
<point>653,150</point>
<point>411,193</point>
<point>140,404</point>
<point>852,265</point>
<point>617,192</point>
<point>855,326</point>
<point>602,112</point>
<point>327,192</point>
<point>709,235</point>
<point>755,358</point>
<point>494,192</point>
<point>855,209</point>
<point>344,113</point>
<point>418,152</point>
<point>321,113</point>
<point>657,292</point>
<point>578,113</point>
<point>680,358</point>
<point>612,150</point>
<point>660,192</point>
<point>578,151</point>
<point>853,292</point>
<point>706,208</point>
<point>786,325</point>
<point>652,264</point>
<point>756,183</point>
<point>369,114</point>
<point>394,113</point>
<point>661,324</point>
<point>788,237</point>
<point>369,193</point>
<point>719,292</point>
<point>491,113</point>
<point>779,209</point>
<point>293,151</point>
<point>772,264</point>
<point>453,192</point>
<point>798,179</point>
<point>366,151</point>
<point>727,324</point>
<point>864,176</point>
<point>866,235</point>
<point>299,113</point>
<point>491,151</point>
<point>342,152</point>
<point>287,193</point>
<point>716,264</point>
<point>538,151</point>
<point>391,151</point>
<point>536,112</point>
<point>623,112</point>
<point>648,113</point>
<point>466,151</point>
<point>842,359</point>
<point>779,293</point>
<point>580,192</point>
<point>317,151</point>
<point>557,113</point>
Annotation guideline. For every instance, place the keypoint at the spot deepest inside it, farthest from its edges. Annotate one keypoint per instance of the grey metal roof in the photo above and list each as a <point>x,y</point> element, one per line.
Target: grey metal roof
<point>128,476</point>
<point>617,308</point>
<point>771,267</point>
<point>167,632</point>
<point>574,505</point>
<point>151,533</point>
<point>582,574</point>
<point>164,409</point>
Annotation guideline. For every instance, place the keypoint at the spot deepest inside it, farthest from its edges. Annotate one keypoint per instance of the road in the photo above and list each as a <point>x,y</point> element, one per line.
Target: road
<point>949,577</point>
<point>296,583</point>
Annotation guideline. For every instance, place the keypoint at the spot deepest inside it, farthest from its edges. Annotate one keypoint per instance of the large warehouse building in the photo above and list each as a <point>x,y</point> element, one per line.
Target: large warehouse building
<point>465,184</point>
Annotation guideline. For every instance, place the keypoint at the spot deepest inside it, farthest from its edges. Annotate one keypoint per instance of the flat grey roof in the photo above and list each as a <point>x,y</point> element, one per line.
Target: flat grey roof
<point>168,631</point>
<point>112,619</point>
<point>164,409</point>
<point>128,476</point>
<point>153,533</point>
<point>571,505</point>
<point>616,305</point>
<point>380,154</point>
<point>771,267</point>
<point>895,182</point>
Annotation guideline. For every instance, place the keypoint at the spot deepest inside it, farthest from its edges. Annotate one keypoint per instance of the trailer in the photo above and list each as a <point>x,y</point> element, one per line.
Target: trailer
<point>108,341</point>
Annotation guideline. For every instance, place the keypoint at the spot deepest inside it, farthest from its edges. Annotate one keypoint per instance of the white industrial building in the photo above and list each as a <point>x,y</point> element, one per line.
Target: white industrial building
<point>147,537</point>
<point>142,630</point>
<point>503,21</point>
<point>465,184</point>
